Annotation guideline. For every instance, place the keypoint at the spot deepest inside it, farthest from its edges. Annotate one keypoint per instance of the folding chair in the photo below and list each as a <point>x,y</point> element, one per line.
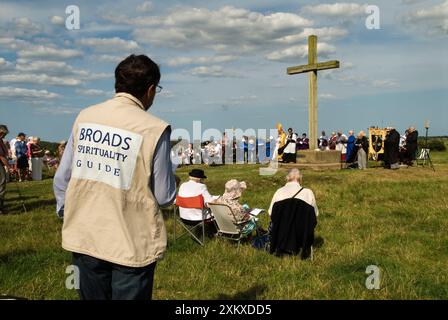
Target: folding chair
<point>227,228</point>
<point>423,157</point>
<point>190,203</point>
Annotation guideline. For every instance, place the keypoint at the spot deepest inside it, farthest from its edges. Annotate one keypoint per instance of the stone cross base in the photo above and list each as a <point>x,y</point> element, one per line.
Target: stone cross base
<point>316,160</point>
<point>312,156</point>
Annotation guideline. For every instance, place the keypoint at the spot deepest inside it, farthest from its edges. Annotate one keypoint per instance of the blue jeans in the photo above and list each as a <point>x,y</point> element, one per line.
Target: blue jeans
<point>103,280</point>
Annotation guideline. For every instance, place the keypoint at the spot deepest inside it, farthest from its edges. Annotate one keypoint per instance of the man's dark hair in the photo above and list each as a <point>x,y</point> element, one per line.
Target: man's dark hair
<point>135,74</point>
<point>4,129</point>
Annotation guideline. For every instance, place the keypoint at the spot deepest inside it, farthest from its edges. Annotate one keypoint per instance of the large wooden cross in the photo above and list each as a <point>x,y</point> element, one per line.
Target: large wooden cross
<point>312,67</point>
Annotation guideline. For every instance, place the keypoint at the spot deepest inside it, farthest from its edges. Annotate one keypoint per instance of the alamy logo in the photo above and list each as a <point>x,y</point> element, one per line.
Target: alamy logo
<point>373,280</point>
<point>373,18</point>
<point>73,21</point>
<point>72,281</point>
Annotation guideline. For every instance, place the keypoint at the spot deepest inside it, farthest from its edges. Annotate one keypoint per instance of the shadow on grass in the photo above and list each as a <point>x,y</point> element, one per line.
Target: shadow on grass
<point>249,294</point>
<point>10,256</point>
<point>17,207</point>
<point>318,242</point>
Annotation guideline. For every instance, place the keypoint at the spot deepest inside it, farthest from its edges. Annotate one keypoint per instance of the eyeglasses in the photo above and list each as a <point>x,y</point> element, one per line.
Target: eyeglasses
<point>159,89</point>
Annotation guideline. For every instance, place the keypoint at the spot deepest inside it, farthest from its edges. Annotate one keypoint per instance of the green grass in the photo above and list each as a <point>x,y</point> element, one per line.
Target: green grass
<point>397,220</point>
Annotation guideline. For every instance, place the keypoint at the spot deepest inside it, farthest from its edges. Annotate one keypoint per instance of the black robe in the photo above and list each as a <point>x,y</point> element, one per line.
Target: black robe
<point>411,145</point>
<point>391,148</point>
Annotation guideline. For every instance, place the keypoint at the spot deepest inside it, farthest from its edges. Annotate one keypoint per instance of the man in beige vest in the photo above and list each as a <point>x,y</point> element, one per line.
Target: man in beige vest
<point>114,177</point>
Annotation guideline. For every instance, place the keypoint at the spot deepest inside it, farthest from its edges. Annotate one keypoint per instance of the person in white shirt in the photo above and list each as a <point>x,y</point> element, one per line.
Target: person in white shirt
<point>189,153</point>
<point>194,187</point>
<point>293,184</point>
<point>290,152</point>
<point>341,144</point>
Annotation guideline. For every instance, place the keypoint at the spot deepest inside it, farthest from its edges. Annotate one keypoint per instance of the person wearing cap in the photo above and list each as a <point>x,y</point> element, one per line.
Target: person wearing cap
<point>4,165</point>
<point>114,177</point>
<point>22,156</point>
<point>195,186</point>
<point>280,142</point>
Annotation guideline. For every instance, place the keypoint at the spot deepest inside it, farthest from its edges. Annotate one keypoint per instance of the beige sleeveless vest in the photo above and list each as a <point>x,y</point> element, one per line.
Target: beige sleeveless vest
<point>110,211</point>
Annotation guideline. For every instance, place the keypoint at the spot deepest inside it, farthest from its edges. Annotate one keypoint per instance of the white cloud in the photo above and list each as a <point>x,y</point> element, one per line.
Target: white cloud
<point>327,96</point>
<point>94,92</point>
<point>57,20</point>
<point>167,94</point>
<point>226,29</point>
<point>179,61</point>
<point>145,6</point>
<point>434,20</point>
<point>411,2</point>
<point>99,76</point>
<point>13,43</point>
<point>58,68</point>
<point>214,72</point>
<point>21,93</point>
<point>42,79</point>
<point>300,51</point>
<point>59,110</point>
<point>325,34</point>
<point>46,52</point>
<point>22,26</point>
<point>114,44</point>
<point>108,58</point>
<point>387,83</point>
<point>5,65</point>
<point>340,10</point>
<point>233,101</point>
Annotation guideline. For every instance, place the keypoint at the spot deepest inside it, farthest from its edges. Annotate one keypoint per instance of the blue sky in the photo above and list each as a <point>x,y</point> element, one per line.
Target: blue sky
<point>224,62</point>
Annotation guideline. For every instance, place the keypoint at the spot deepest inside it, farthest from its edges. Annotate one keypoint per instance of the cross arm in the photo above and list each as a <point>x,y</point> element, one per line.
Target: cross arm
<point>313,67</point>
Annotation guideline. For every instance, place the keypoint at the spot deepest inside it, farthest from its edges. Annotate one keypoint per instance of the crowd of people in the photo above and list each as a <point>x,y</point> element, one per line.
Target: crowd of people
<point>22,158</point>
<point>354,148</point>
<point>25,156</point>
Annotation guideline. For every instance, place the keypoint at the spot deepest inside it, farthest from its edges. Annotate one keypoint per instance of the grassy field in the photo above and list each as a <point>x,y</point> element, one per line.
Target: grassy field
<point>397,220</point>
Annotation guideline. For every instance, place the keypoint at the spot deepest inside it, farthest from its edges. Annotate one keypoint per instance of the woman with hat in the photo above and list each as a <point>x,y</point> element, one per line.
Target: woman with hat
<point>231,196</point>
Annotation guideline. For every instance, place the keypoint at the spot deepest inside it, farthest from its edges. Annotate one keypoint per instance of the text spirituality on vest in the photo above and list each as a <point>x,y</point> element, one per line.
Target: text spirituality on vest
<point>102,153</point>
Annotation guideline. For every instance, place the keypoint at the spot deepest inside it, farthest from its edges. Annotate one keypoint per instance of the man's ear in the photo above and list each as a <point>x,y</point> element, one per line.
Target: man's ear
<point>152,89</point>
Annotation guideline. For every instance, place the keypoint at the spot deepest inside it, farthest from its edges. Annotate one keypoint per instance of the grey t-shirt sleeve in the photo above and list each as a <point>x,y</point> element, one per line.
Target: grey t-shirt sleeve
<point>162,182</point>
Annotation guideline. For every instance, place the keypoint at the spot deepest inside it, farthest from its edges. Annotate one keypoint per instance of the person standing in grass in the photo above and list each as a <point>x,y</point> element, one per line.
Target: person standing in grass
<point>363,150</point>
<point>4,165</point>
<point>22,156</point>
<point>114,177</point>
<point>350,146</point>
